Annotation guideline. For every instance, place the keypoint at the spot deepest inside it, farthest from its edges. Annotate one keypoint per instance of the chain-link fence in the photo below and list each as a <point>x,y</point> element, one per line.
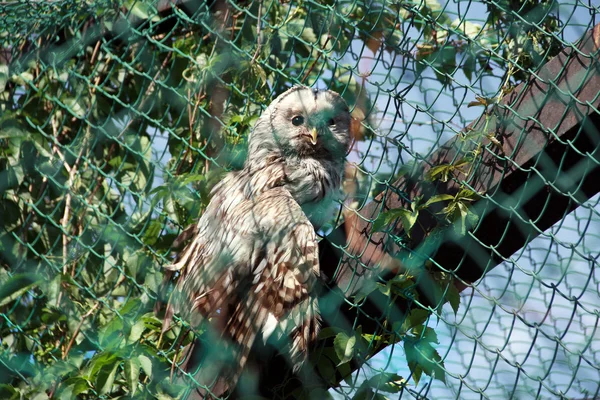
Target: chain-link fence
<point>118,117</point>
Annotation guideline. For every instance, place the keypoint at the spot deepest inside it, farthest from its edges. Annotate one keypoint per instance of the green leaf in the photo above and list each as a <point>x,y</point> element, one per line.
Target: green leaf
<point>132,308</point>
<point>421,355</point>
<point>426,334</point>
<point>393,39</point>
<point>453,296</point>
<point>74,106</point>
<point>344,347</point>
<point>482,101</point>
<point>105,369</point>
<point>9,210</point>
<point>8,392</point>
<point>3,77</point>
<point>151,322</point>
<point>260,72</point>
<point>186,179</point>
<point>151,233</point>
<point>16,286</point>
<point>106,378</point>
<point>328,332</point>
<point>407,218</point>
<point>52,288</point>
<point>111,335</point>
<point>73,387</point>
<point>100,360</point>
<point>143,11</point>
<point>326,369</point>
<point>416,372</point>
<point>387,382</point>
<point>438,198</point>
<point>170,206</point>
<point>467,195</point>
<point>23,78</point>
<point>401,285</point>
<point>417,317</point>
<point>132,374</point>
<point>465,218</point>
<point>440,172</point>
<point>51,315</point>
<point>469,65</point>
<point>145,364</point>
<point>136,331</point>
<point>40,147</point>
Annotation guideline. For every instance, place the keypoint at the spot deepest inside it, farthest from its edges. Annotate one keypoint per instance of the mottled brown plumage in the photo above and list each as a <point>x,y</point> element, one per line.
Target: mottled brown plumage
<point>253,263</point>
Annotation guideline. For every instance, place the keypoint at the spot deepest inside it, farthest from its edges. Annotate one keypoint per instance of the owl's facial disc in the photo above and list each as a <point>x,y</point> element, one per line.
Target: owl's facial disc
<point>309,123</point>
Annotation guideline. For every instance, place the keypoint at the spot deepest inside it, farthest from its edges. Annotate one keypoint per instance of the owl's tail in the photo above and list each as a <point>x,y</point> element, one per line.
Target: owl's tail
<point>222,359</point>
<point>305,334</point>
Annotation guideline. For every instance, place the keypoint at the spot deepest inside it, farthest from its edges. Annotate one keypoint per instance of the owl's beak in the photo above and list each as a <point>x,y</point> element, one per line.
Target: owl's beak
<point>313,136</point>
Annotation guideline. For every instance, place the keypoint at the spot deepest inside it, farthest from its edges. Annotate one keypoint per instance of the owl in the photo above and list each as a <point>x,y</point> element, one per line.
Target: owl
<point>251,269</point>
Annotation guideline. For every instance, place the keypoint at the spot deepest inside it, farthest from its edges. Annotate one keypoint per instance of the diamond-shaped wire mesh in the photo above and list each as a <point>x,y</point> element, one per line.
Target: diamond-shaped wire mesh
<point>118,117</point>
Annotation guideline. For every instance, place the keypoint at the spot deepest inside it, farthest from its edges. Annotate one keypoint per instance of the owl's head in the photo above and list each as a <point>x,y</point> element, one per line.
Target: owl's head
<point>303,122</point>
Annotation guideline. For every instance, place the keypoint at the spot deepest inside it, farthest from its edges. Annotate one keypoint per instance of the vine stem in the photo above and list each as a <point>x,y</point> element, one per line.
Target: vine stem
<point>258,32</point>
<point>70,344</point>
<point>67,213</point>
<point>77,329</point>
<point>319,54</point>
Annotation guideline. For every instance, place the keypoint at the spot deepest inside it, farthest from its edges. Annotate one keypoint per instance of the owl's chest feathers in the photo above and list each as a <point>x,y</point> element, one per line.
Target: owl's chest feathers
<point>313,184</point>
<point>310,180</point>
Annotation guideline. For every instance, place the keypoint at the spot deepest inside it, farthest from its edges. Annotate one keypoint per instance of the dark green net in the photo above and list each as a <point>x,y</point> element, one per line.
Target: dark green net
<point>118,117</point>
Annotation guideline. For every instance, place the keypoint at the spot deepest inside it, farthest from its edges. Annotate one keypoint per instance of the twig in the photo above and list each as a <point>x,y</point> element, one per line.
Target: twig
<point>191,118</point>
<point>258,31</point>
<point>95,53</point>
<point>148,91</point>
<point>200,95</point>
<point>77,329</point>
<point>319,54</point>
<point>70,344</point>
<point>67,213</point>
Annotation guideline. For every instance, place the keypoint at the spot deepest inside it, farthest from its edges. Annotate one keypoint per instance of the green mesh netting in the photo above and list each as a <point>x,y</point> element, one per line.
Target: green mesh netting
<point>118,117</point>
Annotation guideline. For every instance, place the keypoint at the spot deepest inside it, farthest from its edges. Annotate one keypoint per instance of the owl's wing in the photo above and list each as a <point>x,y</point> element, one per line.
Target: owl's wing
<point>209,267</point>
<point>257,257</point>
<point>281,299</point>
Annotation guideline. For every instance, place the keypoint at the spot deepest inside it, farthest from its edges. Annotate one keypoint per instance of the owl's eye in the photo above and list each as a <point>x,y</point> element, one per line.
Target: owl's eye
<point>298,120</point>
<point>331,121</point>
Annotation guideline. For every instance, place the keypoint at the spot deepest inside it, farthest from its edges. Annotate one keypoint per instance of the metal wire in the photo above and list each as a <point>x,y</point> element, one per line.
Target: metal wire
<point>117,117</point>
